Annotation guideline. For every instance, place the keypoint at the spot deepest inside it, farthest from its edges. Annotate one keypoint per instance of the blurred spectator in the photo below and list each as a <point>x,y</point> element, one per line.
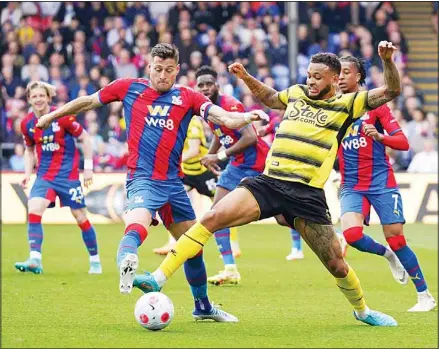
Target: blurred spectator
<point>418,130</point>
<point>123,66</point>
<point>16,162</point>
<point>434,17</point>
<point>12,13</point>
<point>425,161</point>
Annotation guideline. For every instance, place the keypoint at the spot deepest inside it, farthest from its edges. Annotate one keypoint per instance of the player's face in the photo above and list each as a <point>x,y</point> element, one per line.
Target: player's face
<point>163,73</point>
<point>39,100</point>
<point>349,77</point>
<point>207,85</point>
<point>321,81</point>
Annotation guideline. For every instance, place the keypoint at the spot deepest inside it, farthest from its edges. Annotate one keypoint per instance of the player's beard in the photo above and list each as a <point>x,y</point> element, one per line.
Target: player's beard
<point>214,97</point>
<point>322,93</point>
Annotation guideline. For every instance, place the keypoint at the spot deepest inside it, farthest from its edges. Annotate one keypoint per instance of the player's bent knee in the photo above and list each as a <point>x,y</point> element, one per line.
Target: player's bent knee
<point>338,268</point>
<point>80,215</point>
<point>212,220</point>
<point>138,216</point>
<point>37,206</point>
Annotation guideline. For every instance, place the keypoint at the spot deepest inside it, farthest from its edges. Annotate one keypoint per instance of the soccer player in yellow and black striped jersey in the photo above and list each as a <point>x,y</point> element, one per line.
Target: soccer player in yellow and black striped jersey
<point>297,167</point>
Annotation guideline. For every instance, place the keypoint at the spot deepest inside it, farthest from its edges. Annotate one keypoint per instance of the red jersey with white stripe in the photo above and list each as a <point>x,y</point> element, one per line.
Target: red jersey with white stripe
<point>57,155</point>
<point>156,125</point>
<point>364,164</point>
<point>252,157</point>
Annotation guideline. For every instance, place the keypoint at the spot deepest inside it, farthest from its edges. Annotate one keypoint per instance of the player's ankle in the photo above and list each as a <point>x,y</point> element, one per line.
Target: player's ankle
<point>362,314</point>
<point>95,259</point>
<point>35,255</point>
<point>159,277</point>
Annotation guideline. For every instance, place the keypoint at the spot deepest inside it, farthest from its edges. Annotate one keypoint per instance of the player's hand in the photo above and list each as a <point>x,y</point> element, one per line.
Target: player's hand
<point>238,70</point>
<point>371,131</point>
<point>44,122</point>
<point>24,182</point>
<point>210,161</point>
<point>256,115</point>
<point>88,178</point>
<point>386,50</point>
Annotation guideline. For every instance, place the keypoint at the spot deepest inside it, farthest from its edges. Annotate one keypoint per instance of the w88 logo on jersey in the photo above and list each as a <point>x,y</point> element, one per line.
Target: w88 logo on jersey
<point>227,140</point>
<point>355,143</point>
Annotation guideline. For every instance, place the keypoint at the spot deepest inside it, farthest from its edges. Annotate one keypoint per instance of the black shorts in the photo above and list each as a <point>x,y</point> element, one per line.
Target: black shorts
<point>205,183</point>
<point>291,199</point>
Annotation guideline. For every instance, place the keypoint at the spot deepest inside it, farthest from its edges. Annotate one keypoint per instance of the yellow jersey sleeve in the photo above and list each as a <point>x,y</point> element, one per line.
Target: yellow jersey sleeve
<point>283,96</point>
<point>359,104</point>
<point>194,131</point>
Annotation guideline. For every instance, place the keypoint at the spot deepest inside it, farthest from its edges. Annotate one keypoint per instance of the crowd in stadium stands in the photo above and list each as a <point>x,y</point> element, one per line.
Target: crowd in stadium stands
<point>80,47</point>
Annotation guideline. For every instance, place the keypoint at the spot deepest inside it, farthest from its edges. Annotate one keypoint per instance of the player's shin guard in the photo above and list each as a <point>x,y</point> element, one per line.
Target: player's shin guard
<point>35,235</point>
<point>222,238</point>
<point>408,259</point>
<point>196,276</point>
<point>354,236</point>
<point>89,237</point>
<point>134,236</point>
<point>187,246</point>
<point>351,288</point>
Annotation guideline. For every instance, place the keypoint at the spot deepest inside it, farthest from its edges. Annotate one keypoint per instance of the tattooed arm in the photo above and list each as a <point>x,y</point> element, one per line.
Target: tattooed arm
<point>392,84</point>
<point>267,95</point>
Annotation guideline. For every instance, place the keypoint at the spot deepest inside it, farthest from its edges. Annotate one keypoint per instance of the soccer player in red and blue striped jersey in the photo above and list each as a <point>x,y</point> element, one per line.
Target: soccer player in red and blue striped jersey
<point>246,152</point>
<point>57,174</point>
<point>157,114</point>
<point>367,179</point>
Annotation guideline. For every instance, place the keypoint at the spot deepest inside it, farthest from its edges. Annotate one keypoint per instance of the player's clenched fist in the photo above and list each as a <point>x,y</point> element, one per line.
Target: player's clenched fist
<point>385,50</point>
<point>43,122</point>
<point>256,115</point>
<point>238,70</point>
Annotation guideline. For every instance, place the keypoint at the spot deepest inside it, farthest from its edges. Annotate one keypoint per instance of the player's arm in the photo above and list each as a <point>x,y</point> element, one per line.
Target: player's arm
<point>87,149</point>
<point>233,120</point>
<point>76,106</point>
<point>394,138</point>
<point>193,149</point>
<point>266,94</point>
<point>392,84</point>
<point>29,164</point>
<point>248,138</point>
<point>215,145</point>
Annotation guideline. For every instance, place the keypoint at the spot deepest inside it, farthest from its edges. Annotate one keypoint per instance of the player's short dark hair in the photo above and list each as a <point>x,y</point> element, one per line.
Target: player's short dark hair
<point>359,64</point>
<point>206,70</point>
<point>328,59</point>
<point>165,51</point>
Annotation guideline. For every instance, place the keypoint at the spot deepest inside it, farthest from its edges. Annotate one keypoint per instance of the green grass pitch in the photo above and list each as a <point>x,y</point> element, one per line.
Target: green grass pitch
<point>279,303</point>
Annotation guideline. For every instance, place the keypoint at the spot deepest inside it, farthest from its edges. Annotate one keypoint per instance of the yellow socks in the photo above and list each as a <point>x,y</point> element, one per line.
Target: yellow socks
<point>234,234</point>
<point>187,246</point>
<point>351,288</point>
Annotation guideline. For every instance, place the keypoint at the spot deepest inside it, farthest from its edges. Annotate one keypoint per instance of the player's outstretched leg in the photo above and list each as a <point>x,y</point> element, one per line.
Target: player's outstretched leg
<point>237,208</point>
<point>35,238</point>
<point>323,240</point>
<point>356,238</point>
<point>230,274</point>
<point>89,238</point>
<point>296,248</point>
<point>408,259</point>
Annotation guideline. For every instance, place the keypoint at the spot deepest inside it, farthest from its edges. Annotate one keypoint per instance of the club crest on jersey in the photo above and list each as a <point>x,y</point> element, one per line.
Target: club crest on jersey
<point>176,100</point>
<point>55,127</point>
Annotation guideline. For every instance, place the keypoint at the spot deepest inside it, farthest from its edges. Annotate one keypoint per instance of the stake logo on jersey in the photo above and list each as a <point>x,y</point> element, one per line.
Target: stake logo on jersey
<point>156,124</point>
<point>300,111</point>
<point>251,158</point>
<point>57,154</point>
<point>364,165</point>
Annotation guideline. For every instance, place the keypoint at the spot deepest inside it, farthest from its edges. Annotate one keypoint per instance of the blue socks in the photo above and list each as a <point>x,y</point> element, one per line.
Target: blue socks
<point>89,237</point>
<point>196,275</point>
<point>35,232</point>
<point>354,236</point>
<point>222,238</point>
<point>134,236</point>
<point>296,240</point>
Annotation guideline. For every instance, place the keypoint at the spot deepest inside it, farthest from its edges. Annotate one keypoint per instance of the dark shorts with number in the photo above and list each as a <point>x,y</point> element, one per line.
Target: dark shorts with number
<point>290,199</point>
<point>204,183</point>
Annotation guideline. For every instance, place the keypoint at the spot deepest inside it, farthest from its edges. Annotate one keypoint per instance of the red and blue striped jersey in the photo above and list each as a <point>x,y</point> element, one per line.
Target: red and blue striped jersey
<point>57,155</point>
<point>156,125</point>
<point>364,164</point>
<point>251,158</point>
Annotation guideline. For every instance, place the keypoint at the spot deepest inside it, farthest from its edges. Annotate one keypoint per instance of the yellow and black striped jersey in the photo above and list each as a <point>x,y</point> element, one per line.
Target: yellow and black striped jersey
<point>308,137</point>
<point>193,167</point>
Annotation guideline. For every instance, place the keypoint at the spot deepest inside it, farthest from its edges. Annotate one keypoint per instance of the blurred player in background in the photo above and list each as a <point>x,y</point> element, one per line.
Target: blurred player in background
<point>196,176</point>
<point>247,152</point>
<point>299,163</point>
<point>368,180</point>
<point>157,114</point>
<point>57,174</point>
